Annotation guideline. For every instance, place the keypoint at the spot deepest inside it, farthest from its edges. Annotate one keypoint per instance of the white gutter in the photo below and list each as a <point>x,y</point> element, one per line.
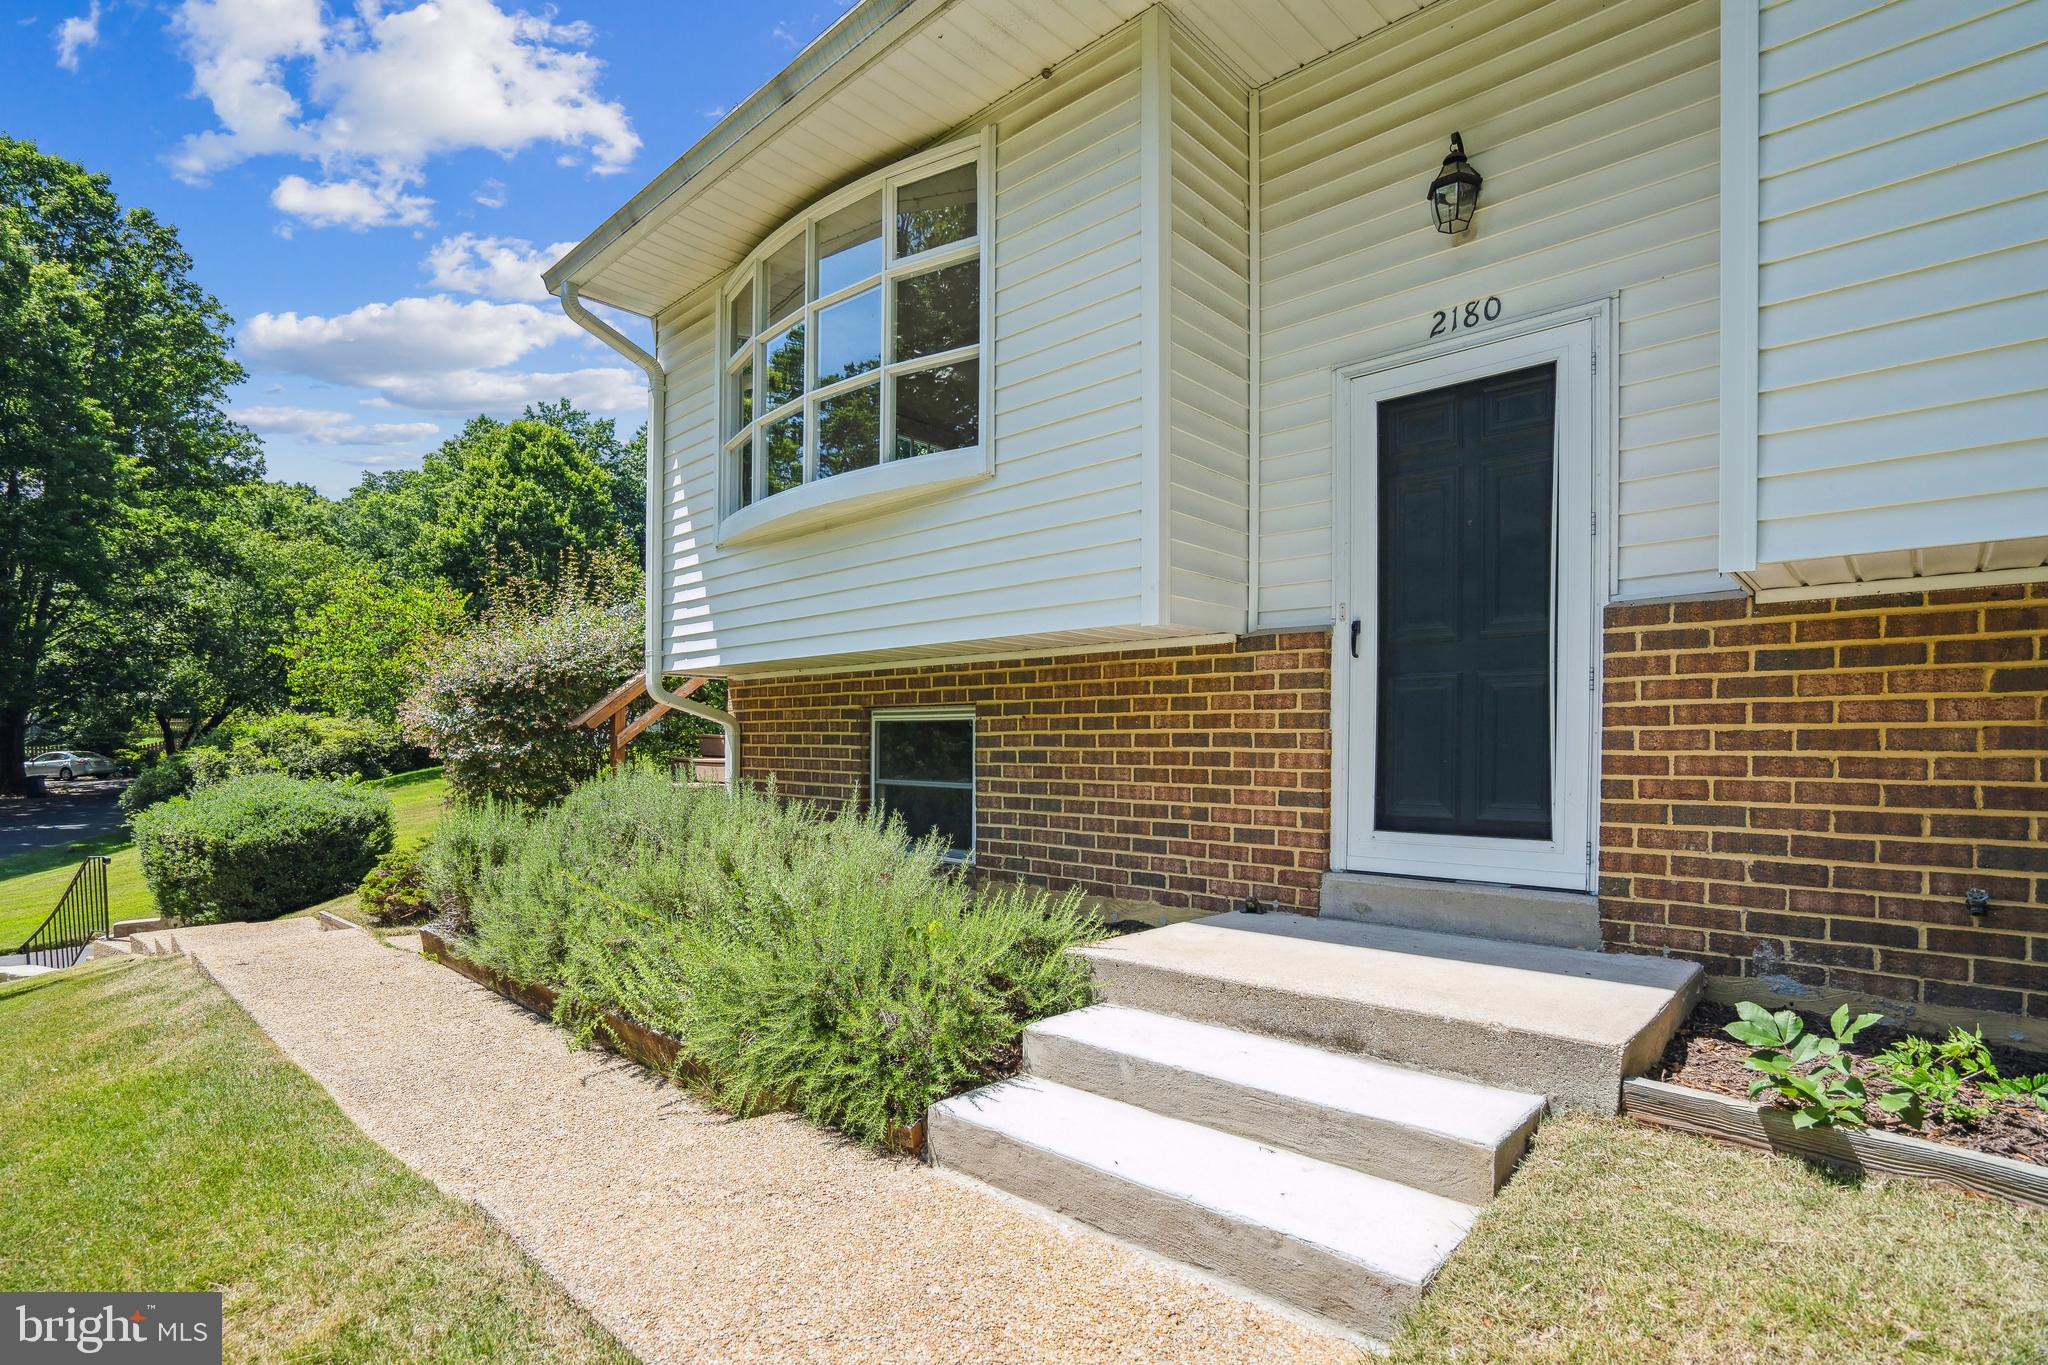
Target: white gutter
<point>657,522</point>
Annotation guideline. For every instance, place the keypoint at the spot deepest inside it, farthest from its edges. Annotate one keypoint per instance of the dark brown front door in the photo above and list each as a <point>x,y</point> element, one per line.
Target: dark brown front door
<point>1464,742</point>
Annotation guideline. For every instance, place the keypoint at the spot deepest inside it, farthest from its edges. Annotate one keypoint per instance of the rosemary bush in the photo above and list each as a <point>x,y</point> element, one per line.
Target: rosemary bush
<point>804,958</point>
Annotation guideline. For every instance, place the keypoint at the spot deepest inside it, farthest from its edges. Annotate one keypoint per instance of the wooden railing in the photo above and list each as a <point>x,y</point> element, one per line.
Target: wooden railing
<point>614,713</point>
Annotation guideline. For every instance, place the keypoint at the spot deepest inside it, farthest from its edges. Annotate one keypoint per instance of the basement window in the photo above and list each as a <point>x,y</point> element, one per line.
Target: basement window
<point>852,338</point>
<point>923,769</point>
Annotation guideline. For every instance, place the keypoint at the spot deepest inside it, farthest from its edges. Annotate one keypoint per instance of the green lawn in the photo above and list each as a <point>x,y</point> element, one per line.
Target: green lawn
<point>1616,1242</point>
<point>30,883</point>
<point>154,1139</point>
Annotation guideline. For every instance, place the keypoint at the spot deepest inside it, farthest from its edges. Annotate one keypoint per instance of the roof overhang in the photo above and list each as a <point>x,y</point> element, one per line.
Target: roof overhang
<point>888,78</point>
<point>834,57</point>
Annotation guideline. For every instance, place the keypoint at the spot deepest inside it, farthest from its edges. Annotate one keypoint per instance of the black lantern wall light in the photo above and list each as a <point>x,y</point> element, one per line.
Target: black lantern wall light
<point>1454,194</point>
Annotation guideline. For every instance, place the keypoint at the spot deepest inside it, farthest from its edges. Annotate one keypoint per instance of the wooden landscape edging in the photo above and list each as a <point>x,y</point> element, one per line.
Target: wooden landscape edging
<point>1865,1150</point>
<point>627,1037</point>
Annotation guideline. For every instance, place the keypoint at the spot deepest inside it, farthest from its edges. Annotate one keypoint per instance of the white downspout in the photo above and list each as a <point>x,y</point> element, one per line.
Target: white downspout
<point>657,521</point>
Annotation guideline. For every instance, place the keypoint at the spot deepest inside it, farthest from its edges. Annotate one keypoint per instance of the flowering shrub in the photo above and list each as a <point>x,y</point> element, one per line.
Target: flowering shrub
<point>495,703</point>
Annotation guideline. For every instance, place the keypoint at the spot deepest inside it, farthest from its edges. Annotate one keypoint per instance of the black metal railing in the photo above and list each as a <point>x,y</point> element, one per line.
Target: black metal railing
<point>80,917</point>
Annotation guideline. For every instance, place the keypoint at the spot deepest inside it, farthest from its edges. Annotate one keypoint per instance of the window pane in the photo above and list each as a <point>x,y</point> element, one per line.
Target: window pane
<point>743,474</point>
<point>740,399</point>
<point>786,278</point>
<point>743,315</point>
<point>783,378</point>
<point>938,409</point>
<point>931,750</point>
<point>786,453</point>
<point>949,810</point>
<point>936,210</point>
<point>938,310</point>
<point>849,431</point>
<point>850,244</point>
<point>850,337</point>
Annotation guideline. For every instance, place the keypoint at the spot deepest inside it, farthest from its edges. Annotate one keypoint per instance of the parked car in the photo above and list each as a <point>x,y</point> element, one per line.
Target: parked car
<point>65,764</point>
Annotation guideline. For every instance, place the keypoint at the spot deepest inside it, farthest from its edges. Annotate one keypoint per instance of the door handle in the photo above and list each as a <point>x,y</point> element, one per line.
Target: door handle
<point>1357,624</point>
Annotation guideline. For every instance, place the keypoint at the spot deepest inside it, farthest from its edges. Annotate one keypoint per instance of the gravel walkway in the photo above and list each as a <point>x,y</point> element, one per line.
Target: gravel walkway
<point>691,1235</point>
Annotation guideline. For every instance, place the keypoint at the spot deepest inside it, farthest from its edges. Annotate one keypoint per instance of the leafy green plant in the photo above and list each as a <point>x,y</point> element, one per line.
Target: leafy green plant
<point>169,776</point>
<point>819,960</point>
<point>2019,1089</point>
<point>395,890</point>
<point>1804,1067</point>
<point>261,846</point>
<point>1927,1079</point>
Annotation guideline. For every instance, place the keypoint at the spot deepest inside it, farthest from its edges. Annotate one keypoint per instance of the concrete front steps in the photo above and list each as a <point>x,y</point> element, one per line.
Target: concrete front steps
<point>1562,1022</point>
<point>1314,1110</point>
<point>1443,1136</point>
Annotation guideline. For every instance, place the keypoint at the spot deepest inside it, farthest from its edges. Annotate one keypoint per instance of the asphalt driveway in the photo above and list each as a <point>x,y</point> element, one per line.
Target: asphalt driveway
<point>83,809</point>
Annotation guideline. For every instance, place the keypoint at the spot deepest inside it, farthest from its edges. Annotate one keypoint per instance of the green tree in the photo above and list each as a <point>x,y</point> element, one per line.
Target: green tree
<point>524,498</point>
<point>114,367</point>
<point>189,635</point>
<point>624,462</point>
<point>354,653</point>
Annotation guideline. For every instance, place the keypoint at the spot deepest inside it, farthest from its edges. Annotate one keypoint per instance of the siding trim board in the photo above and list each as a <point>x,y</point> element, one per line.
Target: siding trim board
<point>1740,29</point>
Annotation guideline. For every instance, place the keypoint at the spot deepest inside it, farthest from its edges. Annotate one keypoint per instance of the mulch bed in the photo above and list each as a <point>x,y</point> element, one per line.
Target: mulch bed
<point>1700,1055</point>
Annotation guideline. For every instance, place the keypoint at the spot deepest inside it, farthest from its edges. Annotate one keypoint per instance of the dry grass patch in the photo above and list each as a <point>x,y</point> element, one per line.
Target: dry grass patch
<point>1620,1243</point>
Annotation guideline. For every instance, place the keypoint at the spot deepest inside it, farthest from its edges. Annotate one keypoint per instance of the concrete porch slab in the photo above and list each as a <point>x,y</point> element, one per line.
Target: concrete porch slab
<point>1561,1022</point>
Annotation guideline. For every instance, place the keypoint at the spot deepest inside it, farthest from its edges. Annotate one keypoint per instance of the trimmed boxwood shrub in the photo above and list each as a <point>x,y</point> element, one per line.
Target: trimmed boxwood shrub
<point>258,847</point>
<point>167,777</point>
<point>395,891</point>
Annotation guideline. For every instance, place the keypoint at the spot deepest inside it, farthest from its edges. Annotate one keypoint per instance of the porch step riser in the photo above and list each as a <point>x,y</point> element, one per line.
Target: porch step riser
<point>1290,1269</point>
<point>1435,1162</point>
<point>1574,1074</point>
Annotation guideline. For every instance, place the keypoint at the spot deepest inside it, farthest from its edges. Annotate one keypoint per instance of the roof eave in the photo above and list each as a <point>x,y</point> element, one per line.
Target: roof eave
<point>865,29</point>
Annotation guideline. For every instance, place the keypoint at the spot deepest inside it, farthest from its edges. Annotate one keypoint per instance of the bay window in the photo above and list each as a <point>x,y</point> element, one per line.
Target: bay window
<point>853,338</point>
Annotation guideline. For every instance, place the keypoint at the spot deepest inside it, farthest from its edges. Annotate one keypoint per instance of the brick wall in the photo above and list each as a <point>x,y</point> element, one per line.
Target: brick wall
<point>1193,777</point>
<point>1803,792</point>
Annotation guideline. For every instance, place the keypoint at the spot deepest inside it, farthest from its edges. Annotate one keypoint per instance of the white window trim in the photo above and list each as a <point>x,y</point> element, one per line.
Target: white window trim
<point>889,481</point>
<point>897,714</point>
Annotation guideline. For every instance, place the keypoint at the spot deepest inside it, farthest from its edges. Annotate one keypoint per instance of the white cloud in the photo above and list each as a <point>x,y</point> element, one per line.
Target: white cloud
<point>437,354</point>
<point>374,95</point>
<point>495,267</point>
<point>354,204</point>
<point>491,194</point>
<point>75,34</point>
<point>781,33</point>
<point>327,428</point>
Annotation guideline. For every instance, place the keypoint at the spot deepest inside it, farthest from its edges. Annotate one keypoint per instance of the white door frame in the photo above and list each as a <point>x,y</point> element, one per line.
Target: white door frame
<point>1580,342</point>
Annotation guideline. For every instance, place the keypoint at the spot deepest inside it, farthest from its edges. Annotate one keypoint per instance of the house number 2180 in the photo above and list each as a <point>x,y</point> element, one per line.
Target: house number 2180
<point>1468,314</point>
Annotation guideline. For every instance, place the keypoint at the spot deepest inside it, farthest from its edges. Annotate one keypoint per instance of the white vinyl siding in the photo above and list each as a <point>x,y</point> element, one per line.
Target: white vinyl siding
<point>1596,127</point>
<point>1208,369</point>
<point>1902,288</point>
<point>1047,550</point>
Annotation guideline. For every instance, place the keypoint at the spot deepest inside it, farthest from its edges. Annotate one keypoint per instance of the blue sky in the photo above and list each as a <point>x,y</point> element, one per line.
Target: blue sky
<point>370,187</point>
